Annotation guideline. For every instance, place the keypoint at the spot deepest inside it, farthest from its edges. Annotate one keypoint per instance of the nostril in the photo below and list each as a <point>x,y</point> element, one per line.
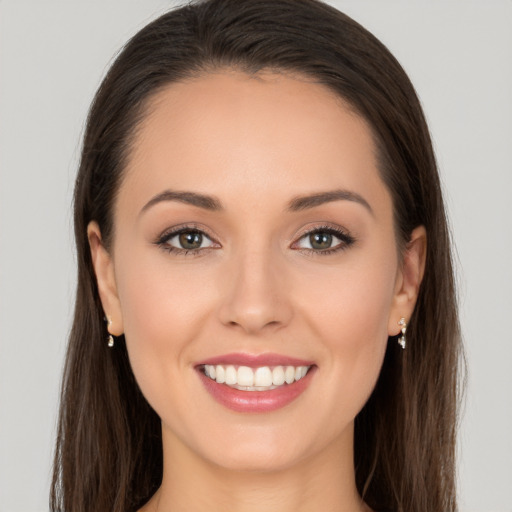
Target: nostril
<point>253,324</point>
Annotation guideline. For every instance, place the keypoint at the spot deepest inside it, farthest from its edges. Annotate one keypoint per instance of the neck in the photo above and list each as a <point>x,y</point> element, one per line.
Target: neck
<point>325,481</point>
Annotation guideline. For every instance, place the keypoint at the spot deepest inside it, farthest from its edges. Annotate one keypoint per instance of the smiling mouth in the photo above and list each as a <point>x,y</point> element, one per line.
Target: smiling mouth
<point>262,378</point>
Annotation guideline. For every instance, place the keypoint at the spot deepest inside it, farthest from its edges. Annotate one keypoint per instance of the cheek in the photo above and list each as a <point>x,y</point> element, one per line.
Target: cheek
<point>158,299</point>
<point>351,303</point>
<point>162,314</point>
<point>349,312</point>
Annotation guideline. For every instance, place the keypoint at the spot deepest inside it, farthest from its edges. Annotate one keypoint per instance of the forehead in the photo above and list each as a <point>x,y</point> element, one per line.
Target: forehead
<point>267,134</point>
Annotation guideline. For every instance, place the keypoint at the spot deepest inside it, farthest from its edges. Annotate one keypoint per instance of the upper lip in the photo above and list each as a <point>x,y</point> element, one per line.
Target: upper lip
<point>255,360</point>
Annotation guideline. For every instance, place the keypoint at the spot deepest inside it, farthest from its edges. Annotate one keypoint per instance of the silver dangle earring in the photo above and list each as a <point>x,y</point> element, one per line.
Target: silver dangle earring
<point>401,340</point>
<point>110,339</point>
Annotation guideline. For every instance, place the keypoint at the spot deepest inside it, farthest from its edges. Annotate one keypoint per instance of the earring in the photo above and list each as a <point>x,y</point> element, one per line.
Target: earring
<point>110,339</point>
<point>401,340</point>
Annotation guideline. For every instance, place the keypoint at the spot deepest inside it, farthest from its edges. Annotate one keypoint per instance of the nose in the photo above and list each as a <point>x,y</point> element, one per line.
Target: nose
<point>254,294</point>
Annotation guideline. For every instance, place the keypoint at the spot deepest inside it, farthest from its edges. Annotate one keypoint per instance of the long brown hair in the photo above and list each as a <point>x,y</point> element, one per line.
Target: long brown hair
<point>108,454</point>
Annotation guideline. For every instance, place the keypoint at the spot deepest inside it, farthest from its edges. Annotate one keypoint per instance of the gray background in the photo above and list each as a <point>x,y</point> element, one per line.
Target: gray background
<point>52,56</point>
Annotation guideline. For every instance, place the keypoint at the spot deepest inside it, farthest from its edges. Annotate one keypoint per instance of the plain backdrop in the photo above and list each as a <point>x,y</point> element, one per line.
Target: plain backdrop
<point>52,57</point>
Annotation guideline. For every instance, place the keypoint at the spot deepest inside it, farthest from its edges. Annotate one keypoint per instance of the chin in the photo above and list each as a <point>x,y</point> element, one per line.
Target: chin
<point>264,450</point>
<point>257,460</point>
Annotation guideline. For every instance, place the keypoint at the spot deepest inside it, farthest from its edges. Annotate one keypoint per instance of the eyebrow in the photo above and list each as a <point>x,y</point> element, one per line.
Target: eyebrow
<point>200,200</point>
<point>310,201</point>
<point>298,203</point>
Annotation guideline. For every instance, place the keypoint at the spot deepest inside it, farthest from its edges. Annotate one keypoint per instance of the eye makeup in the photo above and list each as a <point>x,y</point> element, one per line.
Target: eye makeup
<point>321,236</point>
<point>193,240</point>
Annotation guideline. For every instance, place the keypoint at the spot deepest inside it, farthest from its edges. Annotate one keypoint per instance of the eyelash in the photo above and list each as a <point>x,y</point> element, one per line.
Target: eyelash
<point>163,240</point>
<point>346,240</point>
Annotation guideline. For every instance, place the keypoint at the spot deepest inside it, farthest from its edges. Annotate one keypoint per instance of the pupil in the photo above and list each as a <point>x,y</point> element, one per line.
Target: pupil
<point>320,240</point>
<point>191,240</point>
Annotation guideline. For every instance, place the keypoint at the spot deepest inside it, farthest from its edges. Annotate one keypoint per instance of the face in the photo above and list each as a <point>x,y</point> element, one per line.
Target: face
<point>254,234</point>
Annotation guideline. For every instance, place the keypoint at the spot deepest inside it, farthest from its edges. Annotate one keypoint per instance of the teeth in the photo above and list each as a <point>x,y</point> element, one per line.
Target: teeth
<point>262,378</point>
<point>254,388</point>
<point>278,376</point>
<point>245,376</point>
<point>231,375</point>
<point>289,374</point>
<point>220,376</point>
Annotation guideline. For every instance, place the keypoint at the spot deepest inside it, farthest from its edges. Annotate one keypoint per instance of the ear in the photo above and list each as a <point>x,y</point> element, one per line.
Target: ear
<point>408,280</point>
<point>105,277</point>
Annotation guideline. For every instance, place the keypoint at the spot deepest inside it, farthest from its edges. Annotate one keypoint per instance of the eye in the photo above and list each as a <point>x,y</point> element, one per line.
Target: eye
<point>325,240</point>
<point>185,240</point>
<point>188,240</point>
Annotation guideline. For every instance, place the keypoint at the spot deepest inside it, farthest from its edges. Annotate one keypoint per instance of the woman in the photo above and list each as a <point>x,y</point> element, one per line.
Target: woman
<point>265,315</point>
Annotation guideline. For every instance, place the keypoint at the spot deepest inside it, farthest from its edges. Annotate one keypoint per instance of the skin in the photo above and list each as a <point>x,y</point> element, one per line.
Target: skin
<point>255,143</point>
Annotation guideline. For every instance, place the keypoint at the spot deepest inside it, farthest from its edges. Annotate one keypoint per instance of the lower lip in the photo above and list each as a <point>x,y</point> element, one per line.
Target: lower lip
<point>256,401</point>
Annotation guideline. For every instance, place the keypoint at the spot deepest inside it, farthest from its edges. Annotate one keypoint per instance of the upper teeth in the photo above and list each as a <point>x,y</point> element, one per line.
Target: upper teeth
<point>254,379</point>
